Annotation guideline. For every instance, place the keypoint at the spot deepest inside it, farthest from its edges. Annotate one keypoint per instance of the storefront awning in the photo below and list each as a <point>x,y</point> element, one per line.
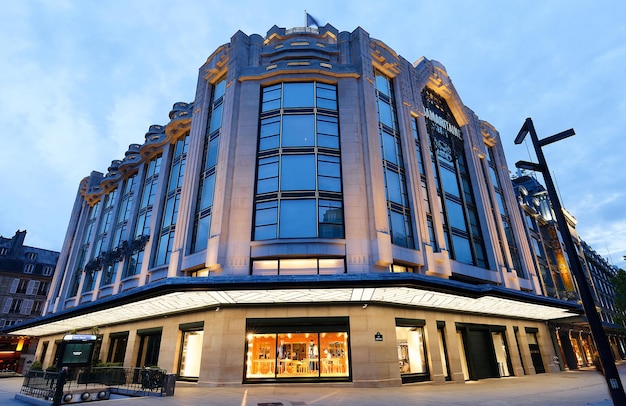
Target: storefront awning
<point>179,295</point>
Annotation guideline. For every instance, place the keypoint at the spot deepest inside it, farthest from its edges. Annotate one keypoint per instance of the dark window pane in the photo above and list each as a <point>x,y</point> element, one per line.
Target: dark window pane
<point>298,131</point>
<point>206,200</point>
<point>298,219</point>
<point>202,233</point>
<point>266,213</point>
<point>462,250</point>
<point>211,156</point>
<point>331,219</point>
<point>394,190</point>
<point>219,89</point>
<point>298,95</point>
<point>385,113</point>
<point>390,147</point>
<point>449,181</point>
<point>216,119</point>
<point>456,218</point>
<point>329,173</point>
<point>297,172</point>
<point>271,98</point>
<point>327,125</point>
<point>382,84</point>
<point>398,233</point>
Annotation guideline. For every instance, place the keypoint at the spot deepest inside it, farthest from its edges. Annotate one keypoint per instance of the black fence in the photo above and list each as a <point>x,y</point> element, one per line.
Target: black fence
<point>55,386</point>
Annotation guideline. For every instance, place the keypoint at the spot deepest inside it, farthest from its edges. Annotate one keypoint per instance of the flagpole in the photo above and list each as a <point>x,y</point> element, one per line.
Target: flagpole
<point>305,18</point>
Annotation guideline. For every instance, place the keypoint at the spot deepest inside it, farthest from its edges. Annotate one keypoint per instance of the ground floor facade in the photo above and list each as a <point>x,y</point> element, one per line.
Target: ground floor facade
<point>369,345</point>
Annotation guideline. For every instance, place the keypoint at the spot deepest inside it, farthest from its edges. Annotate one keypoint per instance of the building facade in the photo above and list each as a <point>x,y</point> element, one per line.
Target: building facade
<point>575,342</point>
<point>25,276</point>
<point>324,210</point>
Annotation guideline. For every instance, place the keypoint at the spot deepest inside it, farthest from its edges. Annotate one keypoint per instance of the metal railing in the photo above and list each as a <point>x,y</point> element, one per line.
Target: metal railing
<point>124,381</point>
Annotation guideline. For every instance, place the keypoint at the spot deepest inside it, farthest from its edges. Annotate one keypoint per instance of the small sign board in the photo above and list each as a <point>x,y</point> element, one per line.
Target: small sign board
<point>378,336</point>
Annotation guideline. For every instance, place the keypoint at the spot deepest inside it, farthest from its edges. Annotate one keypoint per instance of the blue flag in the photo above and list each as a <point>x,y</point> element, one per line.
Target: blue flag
<point>311,21</point>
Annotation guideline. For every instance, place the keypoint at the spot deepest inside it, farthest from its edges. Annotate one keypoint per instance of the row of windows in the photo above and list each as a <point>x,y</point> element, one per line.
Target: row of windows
<point>298,185</point>
<point>22,306</point>
<point>298,190</point>
<point>29,287</point>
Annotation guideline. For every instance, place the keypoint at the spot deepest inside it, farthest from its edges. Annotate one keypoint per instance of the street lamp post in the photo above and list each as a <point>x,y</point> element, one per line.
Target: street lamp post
<point>602,344</point>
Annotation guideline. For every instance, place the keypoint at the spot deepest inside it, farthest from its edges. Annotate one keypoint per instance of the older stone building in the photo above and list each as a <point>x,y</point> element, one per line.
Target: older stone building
<point>25,276</point>
<point>323,210</point>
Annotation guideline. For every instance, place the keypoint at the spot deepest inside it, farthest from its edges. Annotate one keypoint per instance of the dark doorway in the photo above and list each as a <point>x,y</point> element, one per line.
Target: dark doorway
<point>535,354</point>
<point>566,345</point>
<point>481,357</point>
<point>149,347</point>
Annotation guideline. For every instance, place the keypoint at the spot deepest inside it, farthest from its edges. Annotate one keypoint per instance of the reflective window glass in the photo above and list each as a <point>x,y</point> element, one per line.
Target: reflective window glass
<point>382,84</point>
<point>298,95</point>
<point>211,156</point>
<point>298,131</point>
<point>297,172</point>
<point>271,98</point>
<point>208,185</point>
<point>298,219</point>
<point>456,217</point>
<point>330,219</point>
<point>267,175</point>
<point>216,118</point>
<point>462,249</point>
<point>270,134</point>
<point>385,114</point>
<point>326,96</point>
<point>329,173</point>
<point>448,178</point>
<point>202,233</point>
<point>397,228</point>
<point>394,190</point>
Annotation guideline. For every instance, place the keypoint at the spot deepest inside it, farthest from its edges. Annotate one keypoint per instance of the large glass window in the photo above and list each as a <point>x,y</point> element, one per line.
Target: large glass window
<point>298,185</point>
<point>459,214</point>
<point>292,349</point>
<point>172,201</point>
<point>398,210</point>
<point>142,227</point>
<point>509,241</point>
<point>206,187</point>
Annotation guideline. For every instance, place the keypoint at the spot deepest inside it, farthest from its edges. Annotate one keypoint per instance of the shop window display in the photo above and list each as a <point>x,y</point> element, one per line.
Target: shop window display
<point>411,350</point>
<point>297,355</point>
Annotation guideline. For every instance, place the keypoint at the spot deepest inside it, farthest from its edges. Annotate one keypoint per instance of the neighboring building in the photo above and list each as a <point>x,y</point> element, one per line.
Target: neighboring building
<point>25,276</point>
<point>574,338</point>
<point>323,210</point>
<point>600,275</point>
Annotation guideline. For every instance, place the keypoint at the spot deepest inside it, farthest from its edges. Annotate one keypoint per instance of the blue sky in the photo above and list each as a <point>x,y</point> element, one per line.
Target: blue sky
<point>81,80</point>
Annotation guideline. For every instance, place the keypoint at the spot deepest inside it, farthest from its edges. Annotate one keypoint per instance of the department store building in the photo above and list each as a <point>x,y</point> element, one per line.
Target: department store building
<point>323,211</point>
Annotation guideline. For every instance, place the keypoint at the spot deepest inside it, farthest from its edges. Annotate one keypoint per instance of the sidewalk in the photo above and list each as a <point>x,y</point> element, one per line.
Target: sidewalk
<point>572,388</point>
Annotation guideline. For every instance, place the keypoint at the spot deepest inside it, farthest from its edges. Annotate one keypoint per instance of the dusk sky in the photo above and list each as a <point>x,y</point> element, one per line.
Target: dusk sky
<point>81,80</point>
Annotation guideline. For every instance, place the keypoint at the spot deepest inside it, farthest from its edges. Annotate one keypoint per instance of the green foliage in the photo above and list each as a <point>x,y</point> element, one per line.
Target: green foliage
<point>36,366</point>
<point>619,282</point>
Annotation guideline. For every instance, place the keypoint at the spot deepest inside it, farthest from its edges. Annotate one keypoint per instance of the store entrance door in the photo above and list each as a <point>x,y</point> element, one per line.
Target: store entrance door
<point>481,357</point>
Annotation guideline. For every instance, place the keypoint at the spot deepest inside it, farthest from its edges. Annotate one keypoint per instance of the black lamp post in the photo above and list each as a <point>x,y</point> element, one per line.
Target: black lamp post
<point>602,344</point>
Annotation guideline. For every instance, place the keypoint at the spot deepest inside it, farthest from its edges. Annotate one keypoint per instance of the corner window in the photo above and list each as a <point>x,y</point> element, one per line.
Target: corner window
<point>298,185</point>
